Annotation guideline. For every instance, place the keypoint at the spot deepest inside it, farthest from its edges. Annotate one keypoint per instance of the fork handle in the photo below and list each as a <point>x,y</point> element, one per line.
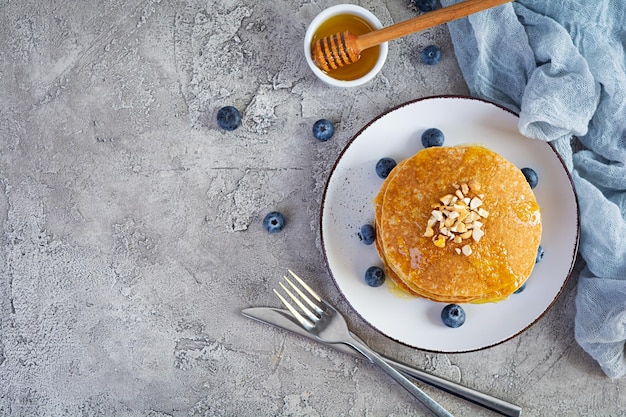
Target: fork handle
<point>431,404</point>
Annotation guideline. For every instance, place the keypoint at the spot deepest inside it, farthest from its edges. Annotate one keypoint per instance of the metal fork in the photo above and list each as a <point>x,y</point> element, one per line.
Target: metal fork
<point>328,324</point>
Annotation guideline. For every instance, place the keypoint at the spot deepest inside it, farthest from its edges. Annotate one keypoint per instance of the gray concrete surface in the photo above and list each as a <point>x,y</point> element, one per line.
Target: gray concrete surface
<point>131,230</point>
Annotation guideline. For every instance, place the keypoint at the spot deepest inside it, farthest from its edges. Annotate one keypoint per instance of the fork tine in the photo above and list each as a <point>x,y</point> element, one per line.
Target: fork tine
<point>303,321</point>
<point>314,306</point>
<point>304,308</point>
<point>305,286</point>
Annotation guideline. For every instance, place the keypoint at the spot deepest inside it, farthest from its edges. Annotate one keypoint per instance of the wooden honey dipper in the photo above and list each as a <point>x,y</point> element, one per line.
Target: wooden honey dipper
<point>341,49</point>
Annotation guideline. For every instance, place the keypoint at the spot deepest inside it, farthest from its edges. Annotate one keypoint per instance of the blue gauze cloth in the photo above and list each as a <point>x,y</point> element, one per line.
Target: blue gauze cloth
<point>561,66</point>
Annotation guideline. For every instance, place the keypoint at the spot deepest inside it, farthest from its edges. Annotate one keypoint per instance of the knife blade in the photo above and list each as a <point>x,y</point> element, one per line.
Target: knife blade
<point>283,319</point>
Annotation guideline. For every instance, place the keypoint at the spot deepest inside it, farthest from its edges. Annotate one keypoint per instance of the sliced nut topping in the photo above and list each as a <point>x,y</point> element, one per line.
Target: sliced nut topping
<point>438,215</point>
<point>475,203</point>
<point>477,234</point>
<point>483,213</point>
<point>459,227</point>
<point>458,218</point>
<point>446,199</point>
<point>466,235</point>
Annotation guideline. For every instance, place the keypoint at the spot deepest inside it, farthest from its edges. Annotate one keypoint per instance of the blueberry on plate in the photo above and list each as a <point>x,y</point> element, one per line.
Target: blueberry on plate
<point>274,222</point>
<point>323,130</point>
<point>228,118</point>
<point>384,167</point>
<point>425,5</point>
<point>432,137</point>
<point>540,253</point>
<point>431,55</point>
<point>520,289</point>
<point>531,176</point>
<point>374,276</point>
<point>453,315</point>
<point>367,234</point>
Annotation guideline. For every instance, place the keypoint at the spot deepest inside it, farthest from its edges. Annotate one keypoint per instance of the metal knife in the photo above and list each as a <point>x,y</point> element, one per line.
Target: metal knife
<point>283,319</point>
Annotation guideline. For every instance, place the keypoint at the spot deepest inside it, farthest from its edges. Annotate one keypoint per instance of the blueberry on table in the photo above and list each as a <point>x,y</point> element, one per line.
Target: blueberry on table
<point>274,222</point>
<point>431,55</point>
<point>384,167</point>
<point>367,234</point>
<point>228,118</point>
<point>432,137</point>
<point>531,176</point>
<point>540,253</point>
<point>425,5</point>
<point>323,130</point>
<point>453,315</point>
<point>374,276</point>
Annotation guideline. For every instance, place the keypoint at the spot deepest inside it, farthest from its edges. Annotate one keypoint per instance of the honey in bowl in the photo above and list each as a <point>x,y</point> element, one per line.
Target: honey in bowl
<point>357,26</point>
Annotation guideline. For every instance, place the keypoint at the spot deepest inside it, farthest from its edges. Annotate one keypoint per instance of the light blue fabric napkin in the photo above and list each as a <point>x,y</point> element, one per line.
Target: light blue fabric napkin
<point>561,65</point>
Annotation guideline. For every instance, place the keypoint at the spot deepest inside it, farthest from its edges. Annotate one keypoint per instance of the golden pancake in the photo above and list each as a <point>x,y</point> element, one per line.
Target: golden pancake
<point>457,224</point>
<point>378,242</point>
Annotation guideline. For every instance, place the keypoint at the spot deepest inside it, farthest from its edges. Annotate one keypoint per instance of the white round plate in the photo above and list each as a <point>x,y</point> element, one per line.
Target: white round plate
<point>348,203</point>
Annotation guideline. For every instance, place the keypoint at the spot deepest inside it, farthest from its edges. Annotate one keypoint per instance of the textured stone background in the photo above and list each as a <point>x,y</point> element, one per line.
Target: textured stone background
<point>131,233</point>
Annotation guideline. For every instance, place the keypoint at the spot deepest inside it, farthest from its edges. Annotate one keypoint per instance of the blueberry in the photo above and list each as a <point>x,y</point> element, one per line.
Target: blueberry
<point>432,137</point>
<point>274,222</point>
<point>228,118</point>
<point>374,276</point>
<point>367,234</point>
<point>323,130</point>
<point>453,315</point>
<point>531,176</point>
<point>431,55</point>
<point>520,289</point>
<point>425,5</point>
<point>384,167</point>
<point>540,253</point>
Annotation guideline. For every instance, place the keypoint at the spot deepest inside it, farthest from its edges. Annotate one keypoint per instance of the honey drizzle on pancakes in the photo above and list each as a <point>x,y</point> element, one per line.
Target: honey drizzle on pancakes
<point>500,261</point>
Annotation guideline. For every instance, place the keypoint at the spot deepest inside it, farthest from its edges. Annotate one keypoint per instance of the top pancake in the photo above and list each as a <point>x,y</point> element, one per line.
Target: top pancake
<point>500,261</point>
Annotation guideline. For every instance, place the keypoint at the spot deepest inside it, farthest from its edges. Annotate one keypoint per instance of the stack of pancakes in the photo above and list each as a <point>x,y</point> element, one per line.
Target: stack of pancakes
<point>457,225</point>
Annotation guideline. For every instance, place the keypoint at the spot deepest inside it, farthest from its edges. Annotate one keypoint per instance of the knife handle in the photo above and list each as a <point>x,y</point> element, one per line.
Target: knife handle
<point>492,403</point>
<point>284,320</point>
